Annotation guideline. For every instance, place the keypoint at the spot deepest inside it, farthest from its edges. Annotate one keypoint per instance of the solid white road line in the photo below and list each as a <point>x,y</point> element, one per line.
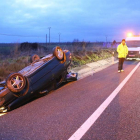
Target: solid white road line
<point>91,120</point>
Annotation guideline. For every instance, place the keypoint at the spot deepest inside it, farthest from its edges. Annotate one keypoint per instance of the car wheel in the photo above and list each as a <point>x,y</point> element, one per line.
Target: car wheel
<point>58,53</point>
<point>16,82</point>
<point>34,58</point>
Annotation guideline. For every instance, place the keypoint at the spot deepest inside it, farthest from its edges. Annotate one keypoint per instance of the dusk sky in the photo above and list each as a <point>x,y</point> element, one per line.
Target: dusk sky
<point>88,20</point>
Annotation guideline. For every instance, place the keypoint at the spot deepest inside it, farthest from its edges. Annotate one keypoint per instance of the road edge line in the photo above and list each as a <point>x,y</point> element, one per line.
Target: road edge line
<point>92,119</point>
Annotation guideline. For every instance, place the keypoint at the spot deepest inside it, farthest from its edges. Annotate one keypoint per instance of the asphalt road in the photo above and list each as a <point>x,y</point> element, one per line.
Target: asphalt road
<point>59,114</point>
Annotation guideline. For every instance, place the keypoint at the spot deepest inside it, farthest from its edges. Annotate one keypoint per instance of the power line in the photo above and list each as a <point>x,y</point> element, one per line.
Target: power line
<point>54,38</point>
<point>20,35</point>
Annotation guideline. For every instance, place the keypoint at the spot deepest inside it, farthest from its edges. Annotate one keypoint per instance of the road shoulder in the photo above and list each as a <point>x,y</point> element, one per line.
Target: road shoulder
<point>91,68</point>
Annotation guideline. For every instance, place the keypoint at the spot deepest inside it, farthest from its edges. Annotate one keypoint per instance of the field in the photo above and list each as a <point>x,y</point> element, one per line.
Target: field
<point>12,59</point>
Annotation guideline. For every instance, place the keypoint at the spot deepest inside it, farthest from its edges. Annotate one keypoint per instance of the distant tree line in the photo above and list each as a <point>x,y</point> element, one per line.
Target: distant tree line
<point>30,46</point>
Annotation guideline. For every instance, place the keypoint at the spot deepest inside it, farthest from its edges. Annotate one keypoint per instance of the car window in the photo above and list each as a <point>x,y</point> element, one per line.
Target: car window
<point>133,43</point>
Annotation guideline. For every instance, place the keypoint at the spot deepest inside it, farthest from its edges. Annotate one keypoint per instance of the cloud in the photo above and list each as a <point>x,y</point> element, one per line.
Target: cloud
<point>74,19</point>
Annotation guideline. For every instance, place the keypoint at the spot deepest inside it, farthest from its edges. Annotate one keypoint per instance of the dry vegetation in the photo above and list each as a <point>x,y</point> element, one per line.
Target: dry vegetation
<point>82,58</point>
<point>15,60</point>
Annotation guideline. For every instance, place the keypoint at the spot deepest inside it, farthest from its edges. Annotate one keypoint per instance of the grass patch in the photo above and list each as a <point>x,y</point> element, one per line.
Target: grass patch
<point>15,62</point>
<point>8,66</point>
<point>82,58</point>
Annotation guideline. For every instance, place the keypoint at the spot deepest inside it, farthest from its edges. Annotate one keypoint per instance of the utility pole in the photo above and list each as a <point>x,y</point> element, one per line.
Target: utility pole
<point>59,37</point>
<point>106,41</point>
<point>46,39</point>
<point>49,33</point>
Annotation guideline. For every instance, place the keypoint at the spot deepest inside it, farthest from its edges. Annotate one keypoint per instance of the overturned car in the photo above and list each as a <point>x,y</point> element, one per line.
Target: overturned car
<point>40,77</point>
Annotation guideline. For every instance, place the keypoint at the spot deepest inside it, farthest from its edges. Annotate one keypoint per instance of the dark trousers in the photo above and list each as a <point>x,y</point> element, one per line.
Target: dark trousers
<point>120,64</point>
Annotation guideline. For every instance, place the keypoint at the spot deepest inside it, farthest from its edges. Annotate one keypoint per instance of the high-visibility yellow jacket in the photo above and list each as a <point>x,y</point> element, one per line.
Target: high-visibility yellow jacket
<point>122,51</point>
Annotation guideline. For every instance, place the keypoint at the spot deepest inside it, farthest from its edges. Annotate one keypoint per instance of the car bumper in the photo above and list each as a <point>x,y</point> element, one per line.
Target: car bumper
<point>72,76</point>
<point>132,58</point>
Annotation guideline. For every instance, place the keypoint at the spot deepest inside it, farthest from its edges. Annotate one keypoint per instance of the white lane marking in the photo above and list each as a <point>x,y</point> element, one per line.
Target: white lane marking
<point>91,120</point>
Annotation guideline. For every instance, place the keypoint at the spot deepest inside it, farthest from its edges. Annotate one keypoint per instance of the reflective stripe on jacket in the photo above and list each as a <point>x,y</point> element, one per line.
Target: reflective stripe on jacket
<point>122,51</point>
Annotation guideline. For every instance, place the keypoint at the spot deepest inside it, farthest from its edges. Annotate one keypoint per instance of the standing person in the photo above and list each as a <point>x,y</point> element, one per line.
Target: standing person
<point>122,53</point>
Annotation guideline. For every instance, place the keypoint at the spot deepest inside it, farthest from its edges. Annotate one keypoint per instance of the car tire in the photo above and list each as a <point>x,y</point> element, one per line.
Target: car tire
<point>58,53</point>
<point>34,58</point>
<point>16,82</point>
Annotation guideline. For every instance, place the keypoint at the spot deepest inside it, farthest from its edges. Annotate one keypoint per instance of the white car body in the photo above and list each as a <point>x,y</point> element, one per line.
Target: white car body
<point>133,44</point>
